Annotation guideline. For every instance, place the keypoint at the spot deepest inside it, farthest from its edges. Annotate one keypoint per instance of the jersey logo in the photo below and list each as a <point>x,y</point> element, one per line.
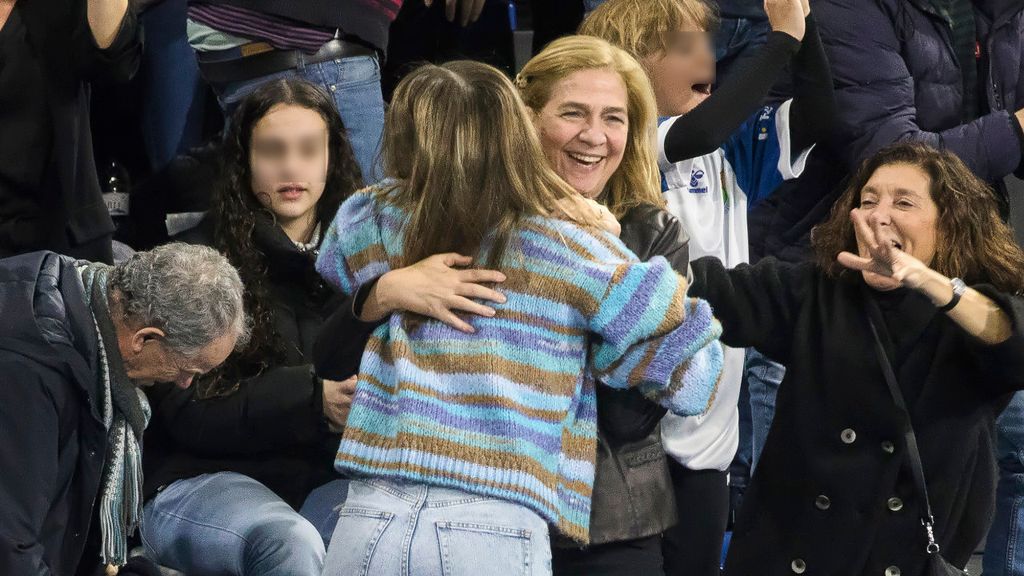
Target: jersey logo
<point>695,182</point>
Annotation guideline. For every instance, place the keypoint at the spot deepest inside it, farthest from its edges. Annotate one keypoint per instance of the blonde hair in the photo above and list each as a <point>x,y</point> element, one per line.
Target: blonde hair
<point>467,160</point>
<point>643,27</point>
<point>637,180</point>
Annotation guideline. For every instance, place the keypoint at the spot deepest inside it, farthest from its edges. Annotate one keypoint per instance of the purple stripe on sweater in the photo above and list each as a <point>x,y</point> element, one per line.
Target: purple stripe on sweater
<point>500,429</point>
<point>282,33</point>
<point>639,300</point>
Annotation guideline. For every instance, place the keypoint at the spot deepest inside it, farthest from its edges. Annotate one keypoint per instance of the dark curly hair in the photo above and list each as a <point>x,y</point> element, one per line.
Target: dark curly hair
<point>235,209</point>
<point>974,243</point>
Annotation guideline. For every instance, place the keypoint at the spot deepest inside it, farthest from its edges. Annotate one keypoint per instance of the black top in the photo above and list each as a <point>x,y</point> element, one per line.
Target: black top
<point>837,432</point>
<point>25,147</point>
<point>58,58</point>
<point>271,428</point>
<point>705,128</point>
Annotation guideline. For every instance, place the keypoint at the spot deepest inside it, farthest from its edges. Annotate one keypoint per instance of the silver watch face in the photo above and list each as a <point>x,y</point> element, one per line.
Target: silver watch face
<point>958,286</point>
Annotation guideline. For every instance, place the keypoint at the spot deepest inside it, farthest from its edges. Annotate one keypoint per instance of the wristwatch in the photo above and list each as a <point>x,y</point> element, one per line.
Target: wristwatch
<point>958,290</point>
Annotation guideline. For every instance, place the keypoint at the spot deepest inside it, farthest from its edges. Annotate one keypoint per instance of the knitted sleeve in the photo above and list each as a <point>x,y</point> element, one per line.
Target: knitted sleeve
<point>353,251</point>
<point>652,337</point>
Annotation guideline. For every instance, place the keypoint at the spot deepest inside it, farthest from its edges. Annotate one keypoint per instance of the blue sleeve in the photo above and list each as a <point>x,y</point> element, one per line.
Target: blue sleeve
<point>753,152</point>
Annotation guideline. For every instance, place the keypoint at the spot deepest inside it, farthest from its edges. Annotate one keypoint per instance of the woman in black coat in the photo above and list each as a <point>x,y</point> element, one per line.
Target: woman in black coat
<point>834,493</point>
<point>230,460</point>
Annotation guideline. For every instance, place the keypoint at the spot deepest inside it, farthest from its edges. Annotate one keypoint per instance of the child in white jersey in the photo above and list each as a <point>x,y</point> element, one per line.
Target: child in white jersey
<point>719,154</point>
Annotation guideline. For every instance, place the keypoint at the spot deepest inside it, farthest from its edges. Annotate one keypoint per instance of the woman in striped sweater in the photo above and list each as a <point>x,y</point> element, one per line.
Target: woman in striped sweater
<point>466,446</point>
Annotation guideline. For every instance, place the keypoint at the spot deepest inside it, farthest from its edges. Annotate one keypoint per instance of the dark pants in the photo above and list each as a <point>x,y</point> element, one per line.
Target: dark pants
<point>694,546</point>
<point>641,557</point>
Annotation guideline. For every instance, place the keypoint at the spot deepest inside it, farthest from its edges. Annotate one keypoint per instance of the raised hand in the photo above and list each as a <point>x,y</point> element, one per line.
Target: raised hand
<point>787,16</point>
<point>885,261</point>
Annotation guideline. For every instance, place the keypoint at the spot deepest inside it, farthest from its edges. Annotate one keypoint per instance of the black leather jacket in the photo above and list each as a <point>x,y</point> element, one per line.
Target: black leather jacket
<point>633,495</point>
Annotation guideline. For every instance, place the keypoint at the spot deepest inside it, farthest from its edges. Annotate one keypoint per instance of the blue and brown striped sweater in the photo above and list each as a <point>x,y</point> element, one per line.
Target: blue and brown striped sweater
<point>510,411</point>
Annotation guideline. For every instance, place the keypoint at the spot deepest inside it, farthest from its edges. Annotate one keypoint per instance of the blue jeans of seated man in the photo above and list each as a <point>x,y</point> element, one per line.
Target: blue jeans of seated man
<point>403,529</point>
<point>355,85</point>
<point>229,524</point>
<point>1004,548</point>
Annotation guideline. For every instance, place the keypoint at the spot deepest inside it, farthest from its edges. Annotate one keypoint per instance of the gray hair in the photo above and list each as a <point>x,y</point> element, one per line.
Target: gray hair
<point>190,292</point>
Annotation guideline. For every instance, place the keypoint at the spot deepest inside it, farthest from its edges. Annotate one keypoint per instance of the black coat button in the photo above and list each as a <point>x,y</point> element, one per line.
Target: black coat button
<point>798,566</point>
<point>895,504</point>
<point>848,436</point>
<point>822,502</point>
<point>888,447</point>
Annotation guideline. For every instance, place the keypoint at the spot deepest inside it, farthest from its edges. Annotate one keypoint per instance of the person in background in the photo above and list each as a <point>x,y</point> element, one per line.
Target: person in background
<point>594,110</point>
<point>76,343</point>
<point>720,152</point>
<point>50,50</point>
<point>231,460</point>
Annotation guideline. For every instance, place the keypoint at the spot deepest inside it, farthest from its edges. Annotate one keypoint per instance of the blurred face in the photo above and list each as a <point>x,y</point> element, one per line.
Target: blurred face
<point>583,128</point>
<point>683,73</point>
<point>147,359</point>
<point>899,197</point>
<point>288,157</point>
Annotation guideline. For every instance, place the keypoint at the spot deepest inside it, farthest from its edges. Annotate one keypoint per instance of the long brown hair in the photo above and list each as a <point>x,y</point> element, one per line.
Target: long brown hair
<point>467,163</point>
<point>637,180</point>
<point>234,211</point>
<point>974,243</point>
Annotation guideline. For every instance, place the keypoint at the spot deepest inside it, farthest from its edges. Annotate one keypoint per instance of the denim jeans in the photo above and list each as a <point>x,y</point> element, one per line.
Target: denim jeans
<point>229,524</point>
<point>1004,549</point>
<point>763,379</point>
<point>323,505</point>
<point>403,529</point>
<point>355,85</point>
<point>175,95</point>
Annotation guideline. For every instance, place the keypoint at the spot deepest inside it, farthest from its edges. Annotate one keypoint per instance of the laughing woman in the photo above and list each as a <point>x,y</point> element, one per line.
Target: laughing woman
<point>468,445</point>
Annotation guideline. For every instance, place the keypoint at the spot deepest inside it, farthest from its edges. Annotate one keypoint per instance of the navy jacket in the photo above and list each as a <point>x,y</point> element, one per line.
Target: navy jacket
<point>897,78</point>
<point>52,438</point>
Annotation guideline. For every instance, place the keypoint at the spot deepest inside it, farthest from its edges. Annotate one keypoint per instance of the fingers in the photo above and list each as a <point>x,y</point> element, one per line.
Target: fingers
<point>481,293</point>
<point>348,386</point>
<point>454,321</point>
<point>454,260</point>
<point>467,305</point>
<point>450,7</point>
<point>854,262</point>
<point>863,231</point>
<point>480,276</point>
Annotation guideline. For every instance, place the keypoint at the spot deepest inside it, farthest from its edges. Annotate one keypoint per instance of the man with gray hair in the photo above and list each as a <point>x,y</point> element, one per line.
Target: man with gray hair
<point>76,342</point>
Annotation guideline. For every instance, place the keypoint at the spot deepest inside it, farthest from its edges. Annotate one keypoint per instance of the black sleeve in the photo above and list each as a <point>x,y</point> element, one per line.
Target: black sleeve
<point>757,305</point>
<point>626,415</point>
<point>280,408</point>
<point>339,346</point>
<point>1002,364</point>
<point>119,61</point>
<point>705,128</point>
<point>813,113</point>
<point>28,458</point>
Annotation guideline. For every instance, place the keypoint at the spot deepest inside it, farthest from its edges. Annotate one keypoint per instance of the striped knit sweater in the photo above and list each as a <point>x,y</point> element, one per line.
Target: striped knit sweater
<point>510,411</point>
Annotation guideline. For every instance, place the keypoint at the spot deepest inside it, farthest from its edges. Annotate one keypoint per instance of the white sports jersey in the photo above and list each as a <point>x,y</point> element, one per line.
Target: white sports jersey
<point>710,195</point>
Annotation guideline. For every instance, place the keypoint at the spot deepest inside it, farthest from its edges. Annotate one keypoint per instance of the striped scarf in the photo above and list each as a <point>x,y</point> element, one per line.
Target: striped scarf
<point>125,415</point>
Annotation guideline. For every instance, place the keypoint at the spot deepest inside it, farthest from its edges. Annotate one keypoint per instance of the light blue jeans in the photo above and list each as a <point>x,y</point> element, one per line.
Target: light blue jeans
<point>401,529</point>
<point>1004,548</point>
<point>355,85</point>
<point>229,524</point>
